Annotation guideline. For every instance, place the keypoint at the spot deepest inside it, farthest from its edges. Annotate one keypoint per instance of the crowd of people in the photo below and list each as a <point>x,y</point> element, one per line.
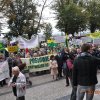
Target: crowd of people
<point>78,65</point>
<point>27,53</point>
<point>14,59</point>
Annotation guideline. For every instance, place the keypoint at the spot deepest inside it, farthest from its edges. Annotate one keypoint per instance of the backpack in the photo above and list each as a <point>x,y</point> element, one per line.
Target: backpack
<point>69,64</point>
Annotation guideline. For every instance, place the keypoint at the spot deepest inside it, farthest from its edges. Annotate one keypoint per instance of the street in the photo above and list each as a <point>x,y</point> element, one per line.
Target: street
<point>44,88</point>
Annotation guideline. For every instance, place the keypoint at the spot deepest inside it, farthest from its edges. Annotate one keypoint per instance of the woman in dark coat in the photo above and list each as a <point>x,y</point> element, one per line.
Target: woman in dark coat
<point>65,56</point>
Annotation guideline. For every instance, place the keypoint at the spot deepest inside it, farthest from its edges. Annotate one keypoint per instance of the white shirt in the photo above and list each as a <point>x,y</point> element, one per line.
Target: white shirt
<point>20,84</point>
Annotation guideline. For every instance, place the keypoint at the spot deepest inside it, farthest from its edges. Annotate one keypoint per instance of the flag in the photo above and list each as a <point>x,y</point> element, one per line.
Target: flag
<point>26,50</point>
<point>50,41</point>
<point>1,46</point>
<point>94,35</point>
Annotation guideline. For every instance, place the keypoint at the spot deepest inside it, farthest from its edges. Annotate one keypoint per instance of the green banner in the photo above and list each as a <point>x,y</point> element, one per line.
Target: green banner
<point>37,63</point>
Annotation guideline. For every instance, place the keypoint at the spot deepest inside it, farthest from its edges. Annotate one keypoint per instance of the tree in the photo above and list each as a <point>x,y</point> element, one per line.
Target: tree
<point>22,16</point>
<point>93,7</point>
<point>4,3</point>
<point>71,17</point>
<point>48,31</point>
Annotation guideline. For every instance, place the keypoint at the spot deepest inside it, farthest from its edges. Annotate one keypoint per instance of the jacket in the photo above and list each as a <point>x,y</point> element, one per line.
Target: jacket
<point>59,60</point>
<point>20,84</point>
<point>85,70</point>
<point>65,56</point>
<point>54,67</point>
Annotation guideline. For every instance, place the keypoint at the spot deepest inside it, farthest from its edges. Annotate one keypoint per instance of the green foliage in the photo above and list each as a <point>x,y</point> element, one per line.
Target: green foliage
<point>22,15</point>
<point>93,8</point>
<point>71,18</point>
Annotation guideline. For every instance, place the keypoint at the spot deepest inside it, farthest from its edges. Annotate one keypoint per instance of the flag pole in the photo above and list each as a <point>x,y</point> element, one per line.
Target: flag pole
<point>66,41</point>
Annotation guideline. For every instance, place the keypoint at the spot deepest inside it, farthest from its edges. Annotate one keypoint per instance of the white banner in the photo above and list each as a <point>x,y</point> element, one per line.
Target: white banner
<point>96,41</point>
<point>24,43</point>
<point>4,70</point>
<point>76,41</point>
<point>86,39</point>
<point>60,39</point>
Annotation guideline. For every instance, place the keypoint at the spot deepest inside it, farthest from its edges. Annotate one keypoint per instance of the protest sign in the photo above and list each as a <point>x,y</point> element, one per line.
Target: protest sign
<point>4,70</point>
<point>12,49</point>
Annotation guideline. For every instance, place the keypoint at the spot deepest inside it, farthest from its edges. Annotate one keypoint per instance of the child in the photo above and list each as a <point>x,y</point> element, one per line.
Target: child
<point>53,66</point>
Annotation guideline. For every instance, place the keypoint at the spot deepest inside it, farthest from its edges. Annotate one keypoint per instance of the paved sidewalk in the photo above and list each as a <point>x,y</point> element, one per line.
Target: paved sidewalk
<point>45,89</point>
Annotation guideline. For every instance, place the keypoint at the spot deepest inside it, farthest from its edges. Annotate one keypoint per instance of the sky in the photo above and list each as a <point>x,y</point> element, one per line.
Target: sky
<point>48,16</point>
<point>3,22</point>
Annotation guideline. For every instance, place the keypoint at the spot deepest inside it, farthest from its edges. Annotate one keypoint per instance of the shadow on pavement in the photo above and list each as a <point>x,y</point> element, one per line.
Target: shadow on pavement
<point>64,98</point>
<point>34,85</point>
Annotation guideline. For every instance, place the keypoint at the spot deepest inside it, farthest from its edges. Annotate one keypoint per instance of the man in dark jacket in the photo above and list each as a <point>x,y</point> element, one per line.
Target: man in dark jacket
<point>85,73</point>
<point>58,58</point>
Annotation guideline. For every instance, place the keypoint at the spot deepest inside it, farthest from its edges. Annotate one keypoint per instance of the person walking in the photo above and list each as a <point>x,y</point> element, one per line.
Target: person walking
<point>85,73</point>
<point>53,67</point>
<point>60,64</point>
<point>65,56</point>
<point>18,83</point>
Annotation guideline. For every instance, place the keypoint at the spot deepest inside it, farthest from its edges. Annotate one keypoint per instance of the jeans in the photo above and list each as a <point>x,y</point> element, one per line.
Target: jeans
<point>73,94</point>
<point>66,73</point>
<point>20,98</point>
<point>89,90</point>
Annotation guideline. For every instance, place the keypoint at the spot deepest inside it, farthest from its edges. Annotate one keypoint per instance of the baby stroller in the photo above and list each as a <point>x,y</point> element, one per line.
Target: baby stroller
<point>26,73</point>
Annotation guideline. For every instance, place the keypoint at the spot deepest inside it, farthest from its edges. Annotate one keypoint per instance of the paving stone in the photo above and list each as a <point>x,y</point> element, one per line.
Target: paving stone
<point>44,88</point>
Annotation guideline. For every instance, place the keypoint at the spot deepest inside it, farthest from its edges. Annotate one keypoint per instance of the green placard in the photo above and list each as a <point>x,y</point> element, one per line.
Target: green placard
<point>52,44</point>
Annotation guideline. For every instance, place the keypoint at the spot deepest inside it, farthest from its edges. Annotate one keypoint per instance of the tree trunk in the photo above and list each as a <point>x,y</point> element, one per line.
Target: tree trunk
<point>40,16</point>
<point>92,28</point>
<point>29,36</point>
